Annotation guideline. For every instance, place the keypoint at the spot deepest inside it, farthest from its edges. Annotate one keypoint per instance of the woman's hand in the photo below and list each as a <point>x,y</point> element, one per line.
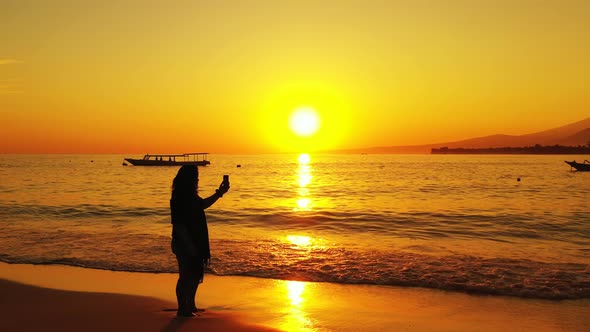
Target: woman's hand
<point>223,187</point>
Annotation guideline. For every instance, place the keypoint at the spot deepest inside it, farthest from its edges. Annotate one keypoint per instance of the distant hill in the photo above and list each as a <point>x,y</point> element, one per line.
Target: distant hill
<point>574,140</point>
<point>577,133</point>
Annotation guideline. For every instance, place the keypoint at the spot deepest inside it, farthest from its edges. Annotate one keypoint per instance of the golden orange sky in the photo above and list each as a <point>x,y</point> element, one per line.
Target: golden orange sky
<point>224,76</point>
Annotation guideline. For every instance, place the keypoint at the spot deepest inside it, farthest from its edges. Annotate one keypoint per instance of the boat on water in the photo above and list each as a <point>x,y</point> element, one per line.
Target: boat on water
<point>580,167</point>
<point>195,158</point>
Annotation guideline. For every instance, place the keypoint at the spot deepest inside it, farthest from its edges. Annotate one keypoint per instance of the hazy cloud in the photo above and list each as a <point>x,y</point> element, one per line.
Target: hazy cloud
<point>9,61</point>
<point>10,91</point>
<point>10,86</point>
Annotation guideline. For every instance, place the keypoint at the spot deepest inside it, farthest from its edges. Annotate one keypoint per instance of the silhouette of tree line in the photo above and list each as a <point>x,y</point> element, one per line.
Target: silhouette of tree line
<point>536,149</point>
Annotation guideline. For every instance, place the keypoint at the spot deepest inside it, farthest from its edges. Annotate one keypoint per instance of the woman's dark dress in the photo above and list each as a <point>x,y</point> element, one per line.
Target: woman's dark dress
<point>190,236</point>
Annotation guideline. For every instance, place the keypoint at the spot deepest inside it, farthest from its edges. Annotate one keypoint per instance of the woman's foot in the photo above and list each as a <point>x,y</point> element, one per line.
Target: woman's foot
<point>185,313</point>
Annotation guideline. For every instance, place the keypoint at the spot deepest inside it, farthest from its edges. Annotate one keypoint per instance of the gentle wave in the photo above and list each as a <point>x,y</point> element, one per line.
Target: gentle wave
<point>420,225</point>
<point>495,276</point>
<point>502,227</point>
<point>278,260</point>
<point>80,211</point>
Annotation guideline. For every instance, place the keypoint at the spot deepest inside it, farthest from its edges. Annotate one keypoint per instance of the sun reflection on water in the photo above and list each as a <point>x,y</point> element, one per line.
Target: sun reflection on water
<point>299,240</point>
<point>304,178</point>
<point>304,159</point>
<point>296,318</point>
<point>294,291</point>
<point>303,204</point>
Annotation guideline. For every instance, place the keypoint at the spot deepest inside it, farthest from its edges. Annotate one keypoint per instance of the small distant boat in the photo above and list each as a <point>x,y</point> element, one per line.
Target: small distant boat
<point>195,158</point>
<point>580,167</point>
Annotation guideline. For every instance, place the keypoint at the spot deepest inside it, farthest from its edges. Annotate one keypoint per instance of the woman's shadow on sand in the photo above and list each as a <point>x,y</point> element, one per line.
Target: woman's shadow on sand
<point>175,324</point>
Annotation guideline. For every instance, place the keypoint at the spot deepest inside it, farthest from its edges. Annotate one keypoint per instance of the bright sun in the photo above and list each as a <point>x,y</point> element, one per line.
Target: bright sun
<point>304,121</point>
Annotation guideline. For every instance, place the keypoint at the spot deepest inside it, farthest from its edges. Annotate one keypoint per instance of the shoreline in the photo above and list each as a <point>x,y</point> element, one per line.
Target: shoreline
<point>74,298</point>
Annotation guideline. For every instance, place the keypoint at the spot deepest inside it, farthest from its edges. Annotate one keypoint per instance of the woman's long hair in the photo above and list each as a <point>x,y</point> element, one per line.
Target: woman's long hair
<point>184,184</point>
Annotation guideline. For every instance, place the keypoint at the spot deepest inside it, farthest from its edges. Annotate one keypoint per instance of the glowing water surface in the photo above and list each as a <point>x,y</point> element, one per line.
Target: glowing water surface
<point>461,223</point>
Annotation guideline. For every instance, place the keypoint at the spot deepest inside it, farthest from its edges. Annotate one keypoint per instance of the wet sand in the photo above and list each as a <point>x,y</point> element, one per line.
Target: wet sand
<point>63,298</point>
<point>31,308</point>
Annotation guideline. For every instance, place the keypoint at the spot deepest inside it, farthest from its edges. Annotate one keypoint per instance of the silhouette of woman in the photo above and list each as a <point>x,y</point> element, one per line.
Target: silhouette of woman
<point>190,236</point>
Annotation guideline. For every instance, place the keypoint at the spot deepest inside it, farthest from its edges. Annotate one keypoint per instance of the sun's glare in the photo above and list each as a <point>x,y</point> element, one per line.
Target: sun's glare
<point>304,121</point>
<point>303,158</point>
<point>299,240</point>
<point>295,291</point>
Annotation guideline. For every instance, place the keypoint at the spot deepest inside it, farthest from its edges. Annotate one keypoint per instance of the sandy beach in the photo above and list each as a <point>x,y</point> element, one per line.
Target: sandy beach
<point>63,298</point>
<point>31,308</point>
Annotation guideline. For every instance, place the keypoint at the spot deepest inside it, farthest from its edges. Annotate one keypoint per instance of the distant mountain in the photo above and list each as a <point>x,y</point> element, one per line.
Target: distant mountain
<point>577,139</point>
<point>574,134</point>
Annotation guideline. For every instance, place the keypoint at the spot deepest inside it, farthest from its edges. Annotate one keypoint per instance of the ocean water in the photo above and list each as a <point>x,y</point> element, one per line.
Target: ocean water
<point>456,223</point>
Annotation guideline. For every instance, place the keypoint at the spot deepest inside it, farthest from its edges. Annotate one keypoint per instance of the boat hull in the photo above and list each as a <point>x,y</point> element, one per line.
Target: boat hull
<point>143,162</point>
<point>579,167</point>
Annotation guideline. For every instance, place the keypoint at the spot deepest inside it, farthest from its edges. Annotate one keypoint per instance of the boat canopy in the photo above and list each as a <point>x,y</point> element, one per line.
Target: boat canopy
<point>193,156</point>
